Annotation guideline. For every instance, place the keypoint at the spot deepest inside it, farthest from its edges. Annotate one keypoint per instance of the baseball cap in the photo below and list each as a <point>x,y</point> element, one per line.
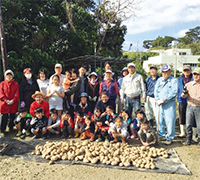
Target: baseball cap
<point>153,66</point>
<point>165,68</point>
<point>109,71</point>
<point>130,64</point>
<point>186,67</point>
<point>196,70</point>
<point>58,66</point>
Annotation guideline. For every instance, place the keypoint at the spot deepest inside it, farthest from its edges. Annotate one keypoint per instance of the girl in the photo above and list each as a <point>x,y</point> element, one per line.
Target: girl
<point>79,121</point>
<point>55,92</point>
<point>109,115</point>
<point>88,129</point>
<point>118,130</point>
<point>66,125</point>
<point>97,114</point>
<point>43,81</point>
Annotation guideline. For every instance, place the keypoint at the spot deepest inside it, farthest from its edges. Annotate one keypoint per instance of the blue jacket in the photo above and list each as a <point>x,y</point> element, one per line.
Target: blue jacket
<point>180,89</point>
<point>150,85</point>
<point>166,89</point>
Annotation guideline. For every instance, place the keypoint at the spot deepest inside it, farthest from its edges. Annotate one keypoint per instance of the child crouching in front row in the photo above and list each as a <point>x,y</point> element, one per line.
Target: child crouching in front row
<point>67,126</point>
<point>118,130</point>
<point>53,126</point>
<point>146,133</point>
<point>22,123</point>
<point>79,122</point>
<point>101,130</point>
<point>88,129</point>
<point>39,123</point>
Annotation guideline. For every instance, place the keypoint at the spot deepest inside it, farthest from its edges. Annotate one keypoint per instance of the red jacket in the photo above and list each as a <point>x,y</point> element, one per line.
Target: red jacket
<point>70,122</point>
<point>9,91</point>
<point>44,105</point>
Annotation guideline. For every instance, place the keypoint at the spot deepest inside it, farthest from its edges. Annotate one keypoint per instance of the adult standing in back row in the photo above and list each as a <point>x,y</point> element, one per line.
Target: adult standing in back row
<point>134,89</point>
<point>58,71</point>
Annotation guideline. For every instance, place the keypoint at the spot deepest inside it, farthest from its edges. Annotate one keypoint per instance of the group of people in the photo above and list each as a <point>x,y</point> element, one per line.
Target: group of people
<point>101,109</point>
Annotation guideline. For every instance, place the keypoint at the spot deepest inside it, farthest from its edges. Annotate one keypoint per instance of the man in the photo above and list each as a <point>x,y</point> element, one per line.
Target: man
<point>182,102</point>
<point>83,78</point>
<point>192,92</point>
<point>134,89</point>
<point>150,103</point>
<point>165,93</point>
<point>58,71</point>
<point>107,67</point>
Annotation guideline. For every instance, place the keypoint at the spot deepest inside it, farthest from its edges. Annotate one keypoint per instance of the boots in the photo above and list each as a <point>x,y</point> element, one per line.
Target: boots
<point>182,131</point>
<point>188,140</point>
<point>199,140</point>
<point>194,136</point>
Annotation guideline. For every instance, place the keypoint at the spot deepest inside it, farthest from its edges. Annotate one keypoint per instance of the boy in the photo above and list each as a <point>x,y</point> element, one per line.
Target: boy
<point>53,126</point>
<point>39,123</point>
<point>22,123</point>
<point>88,129</point>
<point>83,106</point>
<point>146,133</point>
<point>66,124</point>
<point>118,130</point>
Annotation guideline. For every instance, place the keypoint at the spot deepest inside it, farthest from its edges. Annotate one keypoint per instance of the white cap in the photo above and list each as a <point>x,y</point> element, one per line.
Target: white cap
<point>93,73</point>
<point>109,71</point>
<point>130,64</point>
<point>9,72</point>
<point>58,65</point>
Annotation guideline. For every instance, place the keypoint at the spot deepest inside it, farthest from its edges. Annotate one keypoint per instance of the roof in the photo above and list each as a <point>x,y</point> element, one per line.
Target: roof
<point>89,60</point>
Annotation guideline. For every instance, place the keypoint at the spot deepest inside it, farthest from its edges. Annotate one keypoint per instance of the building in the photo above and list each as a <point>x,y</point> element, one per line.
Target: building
<point>175,57</point>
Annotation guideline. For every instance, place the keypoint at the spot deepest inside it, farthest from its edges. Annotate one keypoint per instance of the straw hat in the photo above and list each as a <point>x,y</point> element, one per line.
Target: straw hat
<point>37,93</point>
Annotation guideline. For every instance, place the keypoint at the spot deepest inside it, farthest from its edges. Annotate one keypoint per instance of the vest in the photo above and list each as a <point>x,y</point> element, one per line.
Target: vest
<point>110,90</point>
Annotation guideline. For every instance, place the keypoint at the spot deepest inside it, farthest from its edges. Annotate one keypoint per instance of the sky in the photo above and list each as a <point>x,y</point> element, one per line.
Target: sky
<point>161,18</point>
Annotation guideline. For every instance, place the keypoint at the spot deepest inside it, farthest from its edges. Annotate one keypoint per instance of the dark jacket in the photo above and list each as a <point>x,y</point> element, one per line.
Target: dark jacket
<point>39,123</point>
<point>26,91</point>
<point>74,89</point>
<point>180,89</point>
<point>91,128</point>
<point>92,90</point>
<point>103,106</point>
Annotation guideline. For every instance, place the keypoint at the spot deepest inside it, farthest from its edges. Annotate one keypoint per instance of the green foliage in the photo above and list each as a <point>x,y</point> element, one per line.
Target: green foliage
<point>38,33</point>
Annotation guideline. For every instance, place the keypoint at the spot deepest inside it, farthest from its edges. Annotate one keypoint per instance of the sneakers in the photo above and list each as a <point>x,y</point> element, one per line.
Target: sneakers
<point>106,140</point>
<point>27,133</point>
<point>2,135</point>
<point>76,135</point>
<point>133,136</point>
<point>19,134</point>
<point>168,142</point>
<point>99,140</point>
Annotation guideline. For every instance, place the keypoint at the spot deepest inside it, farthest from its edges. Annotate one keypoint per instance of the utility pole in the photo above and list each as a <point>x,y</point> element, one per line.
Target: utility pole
<point>3,43</point>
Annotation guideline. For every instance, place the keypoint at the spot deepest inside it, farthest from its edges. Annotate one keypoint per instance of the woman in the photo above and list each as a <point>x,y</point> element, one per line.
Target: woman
<point>9,96</point>
<point>27,88</point>
<point>92,89</point>
<point>43,82</point>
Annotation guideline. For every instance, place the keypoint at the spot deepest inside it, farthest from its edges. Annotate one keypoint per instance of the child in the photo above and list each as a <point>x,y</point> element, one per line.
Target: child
<point>53,126</point>
<point>83,106</point>
<point>109,115</point>
<point>146,133</point>
<point>88,129</point>
<point>118,130</point>
<point>39,123</point>
<point>135,124</point>
<point>79,121</point>
<point>55,92</point>
<point>97,114</point>
<point>66,125</point>
<point>101,131</point>
<point>66,85</point>
<point>22,123</point>
<point>125,117</point>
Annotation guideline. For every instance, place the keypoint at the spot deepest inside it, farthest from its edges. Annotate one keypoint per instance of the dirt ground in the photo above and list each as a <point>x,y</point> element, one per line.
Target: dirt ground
<point>17,168</point>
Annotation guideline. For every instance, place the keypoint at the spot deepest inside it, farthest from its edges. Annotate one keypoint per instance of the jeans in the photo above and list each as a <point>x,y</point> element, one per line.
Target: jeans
<point>132,105</point>
<point>166,116</point>
<point>192,115</point>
